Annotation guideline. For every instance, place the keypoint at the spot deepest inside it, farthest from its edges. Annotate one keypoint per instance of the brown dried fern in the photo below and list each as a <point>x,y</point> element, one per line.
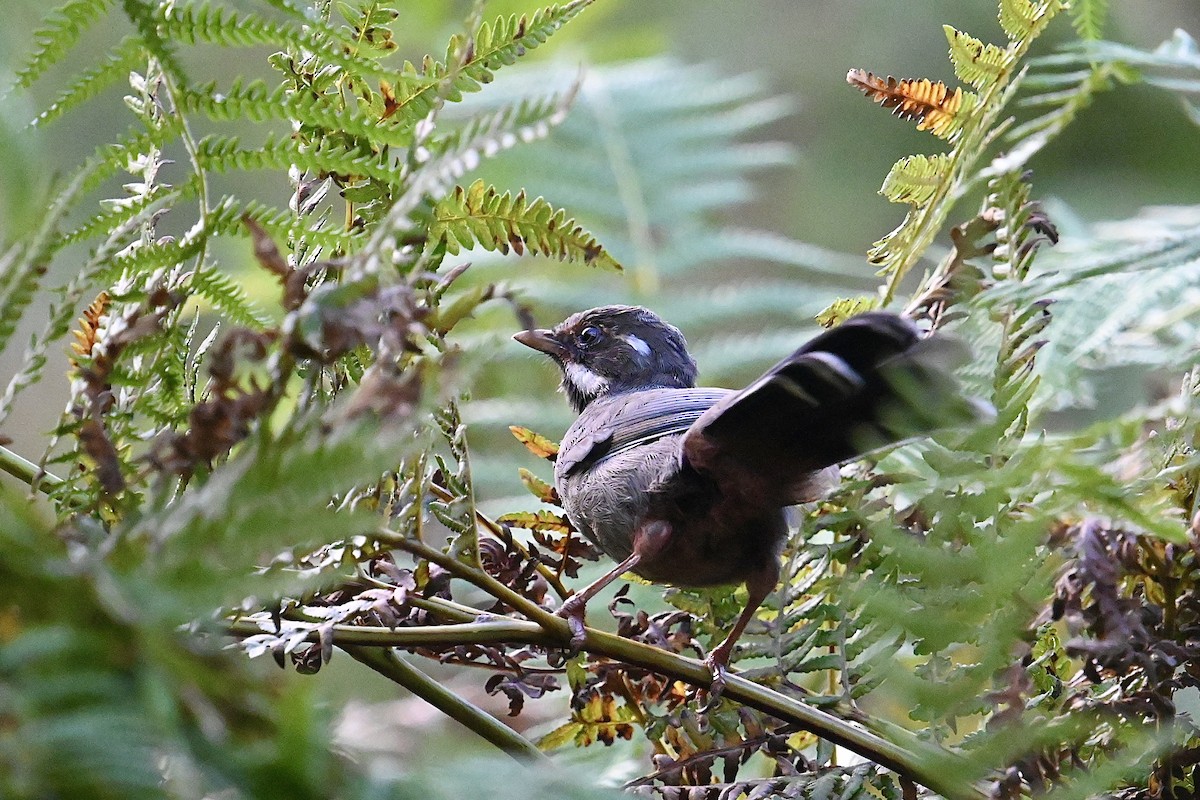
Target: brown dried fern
<point>931,103</point>
<point>89,324</point>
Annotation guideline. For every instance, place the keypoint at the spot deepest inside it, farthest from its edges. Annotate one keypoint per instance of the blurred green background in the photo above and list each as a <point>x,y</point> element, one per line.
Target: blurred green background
<point>797,157</point>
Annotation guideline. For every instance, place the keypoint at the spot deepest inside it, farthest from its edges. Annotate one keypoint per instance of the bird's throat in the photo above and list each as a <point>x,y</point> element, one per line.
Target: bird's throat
<point>582,386</point>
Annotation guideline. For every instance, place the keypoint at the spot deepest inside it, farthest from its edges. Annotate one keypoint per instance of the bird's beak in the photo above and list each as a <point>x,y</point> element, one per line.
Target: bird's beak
<point>543,341</point>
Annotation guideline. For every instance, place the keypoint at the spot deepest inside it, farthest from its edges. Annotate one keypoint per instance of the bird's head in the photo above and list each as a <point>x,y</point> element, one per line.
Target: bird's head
<point>614,349</point>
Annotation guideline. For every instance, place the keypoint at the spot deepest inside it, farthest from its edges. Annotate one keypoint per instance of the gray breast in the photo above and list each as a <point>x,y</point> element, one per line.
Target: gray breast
<point>607,499</point>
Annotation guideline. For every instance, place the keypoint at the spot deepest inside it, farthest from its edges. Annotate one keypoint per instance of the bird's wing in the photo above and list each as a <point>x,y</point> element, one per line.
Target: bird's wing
<point>614,424</point>
<point>869,382</point>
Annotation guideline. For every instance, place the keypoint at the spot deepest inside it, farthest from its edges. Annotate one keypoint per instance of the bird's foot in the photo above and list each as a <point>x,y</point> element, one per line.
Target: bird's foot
<point>573,611</point>
<point>717,662</point>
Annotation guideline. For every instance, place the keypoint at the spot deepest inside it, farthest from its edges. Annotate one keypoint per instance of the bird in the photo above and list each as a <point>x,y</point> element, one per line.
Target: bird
<point>688,486</point>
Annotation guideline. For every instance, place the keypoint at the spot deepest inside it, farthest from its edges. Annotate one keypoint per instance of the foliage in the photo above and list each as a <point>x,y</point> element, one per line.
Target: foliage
<point>999,612</point>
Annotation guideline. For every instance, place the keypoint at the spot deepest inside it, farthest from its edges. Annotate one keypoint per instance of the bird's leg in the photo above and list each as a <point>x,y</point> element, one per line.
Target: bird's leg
<point>649,540</point>
<point>759,585</point>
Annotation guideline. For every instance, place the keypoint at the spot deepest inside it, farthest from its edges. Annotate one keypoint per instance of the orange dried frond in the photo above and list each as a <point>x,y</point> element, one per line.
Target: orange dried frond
<point>89,323</point>
<point>932,103</point>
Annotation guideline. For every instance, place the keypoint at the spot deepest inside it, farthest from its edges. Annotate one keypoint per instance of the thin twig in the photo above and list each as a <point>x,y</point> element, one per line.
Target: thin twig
<point>474,718</point>
<point>711,755</point>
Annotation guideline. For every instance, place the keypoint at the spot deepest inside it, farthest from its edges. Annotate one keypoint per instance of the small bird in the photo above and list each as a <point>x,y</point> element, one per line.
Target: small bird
<point>688,486</point>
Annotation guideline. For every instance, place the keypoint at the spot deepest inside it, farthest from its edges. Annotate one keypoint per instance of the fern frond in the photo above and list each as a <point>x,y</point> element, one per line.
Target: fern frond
<point>471,63</point>
<point>977,125</point>
<point>115,67</point>
<point>146,258</point>
<point>114,213</point>
<point>22,268</point>
<point>62,310</point>
<point>936,108</point>
<point>914,179</point>
<point>228,297</point>
<point>481,215</point>
<point>110,159</point>
<point>202,23</point>
<point>485,135</point>
<point>146,16</point>
<point>23,277</point>
<point>843,309</point>
<point>1023,20</point>
<point>225,219</point>
<point>60,32</point>
<point>1089,17</point>
<point>974,62</point>
<point>257,102</point>
<point>224,154</point>
<point>1174,65</point>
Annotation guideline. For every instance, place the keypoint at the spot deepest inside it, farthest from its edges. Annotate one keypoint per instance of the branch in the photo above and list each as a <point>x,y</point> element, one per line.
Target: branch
<point>390,665</point>
<point>925,763</point>
<point>26,471</point>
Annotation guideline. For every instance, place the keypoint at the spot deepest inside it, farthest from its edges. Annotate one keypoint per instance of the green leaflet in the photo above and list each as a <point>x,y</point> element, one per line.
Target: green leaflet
<point>914,179</point>
<point>974,62</point>
<point>480,215</point>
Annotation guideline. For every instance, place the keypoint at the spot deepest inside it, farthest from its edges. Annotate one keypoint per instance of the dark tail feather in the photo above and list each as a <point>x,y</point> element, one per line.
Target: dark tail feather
<point>869,382</point>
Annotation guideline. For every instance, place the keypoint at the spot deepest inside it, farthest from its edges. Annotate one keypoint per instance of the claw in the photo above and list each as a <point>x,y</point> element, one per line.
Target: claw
<point>573,611</point>
<point>716,661</point>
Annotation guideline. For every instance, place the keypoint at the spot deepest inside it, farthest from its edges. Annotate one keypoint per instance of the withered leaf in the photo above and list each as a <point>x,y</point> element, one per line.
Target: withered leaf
<point>537,444</point>
<point>97,445</point>
<point>539,488</point>
<point>931,103</point>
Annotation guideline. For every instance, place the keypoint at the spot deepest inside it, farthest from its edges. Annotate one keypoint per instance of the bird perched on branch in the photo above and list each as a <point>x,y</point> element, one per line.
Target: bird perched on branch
<point>688,486</point>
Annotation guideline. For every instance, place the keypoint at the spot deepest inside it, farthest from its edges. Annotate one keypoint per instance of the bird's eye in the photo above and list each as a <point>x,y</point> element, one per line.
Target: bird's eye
<point>589,336</point>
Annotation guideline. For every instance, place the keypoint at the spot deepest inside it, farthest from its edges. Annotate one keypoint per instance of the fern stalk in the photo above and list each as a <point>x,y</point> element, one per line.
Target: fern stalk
<point>387,663</point>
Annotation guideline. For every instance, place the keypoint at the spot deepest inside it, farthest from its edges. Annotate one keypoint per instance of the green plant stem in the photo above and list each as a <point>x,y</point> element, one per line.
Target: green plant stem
<point>925,763</point>
<point>495,588</point>
<point>26,471</point>
<point>500,631</point>
<point>388,664</point>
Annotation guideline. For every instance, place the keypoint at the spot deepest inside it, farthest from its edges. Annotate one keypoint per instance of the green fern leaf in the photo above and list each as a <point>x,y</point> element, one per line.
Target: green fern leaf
<point>471,63</point>
<point>117,212</point>
<point>23,277</point>
<point>487,134</point>
<point>192,24</point>
<point>257,102</point>
<point>844,308</point>
<point>974,62</point>
<point>1024,19</point>
<point>146,16</point>
<point>145,259</point>
<point>1088,17</point>
<point>115,67</point>
<point>228,297</point>
<point>915,179</point>
<point>63,28</point>
<point>480,215</point>
<point>222,154</point>
<point>281,224</point>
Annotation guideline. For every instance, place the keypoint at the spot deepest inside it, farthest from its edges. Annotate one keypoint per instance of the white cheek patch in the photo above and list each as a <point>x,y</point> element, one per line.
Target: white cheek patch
<point>587,382</point>
<point>637,344</point>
